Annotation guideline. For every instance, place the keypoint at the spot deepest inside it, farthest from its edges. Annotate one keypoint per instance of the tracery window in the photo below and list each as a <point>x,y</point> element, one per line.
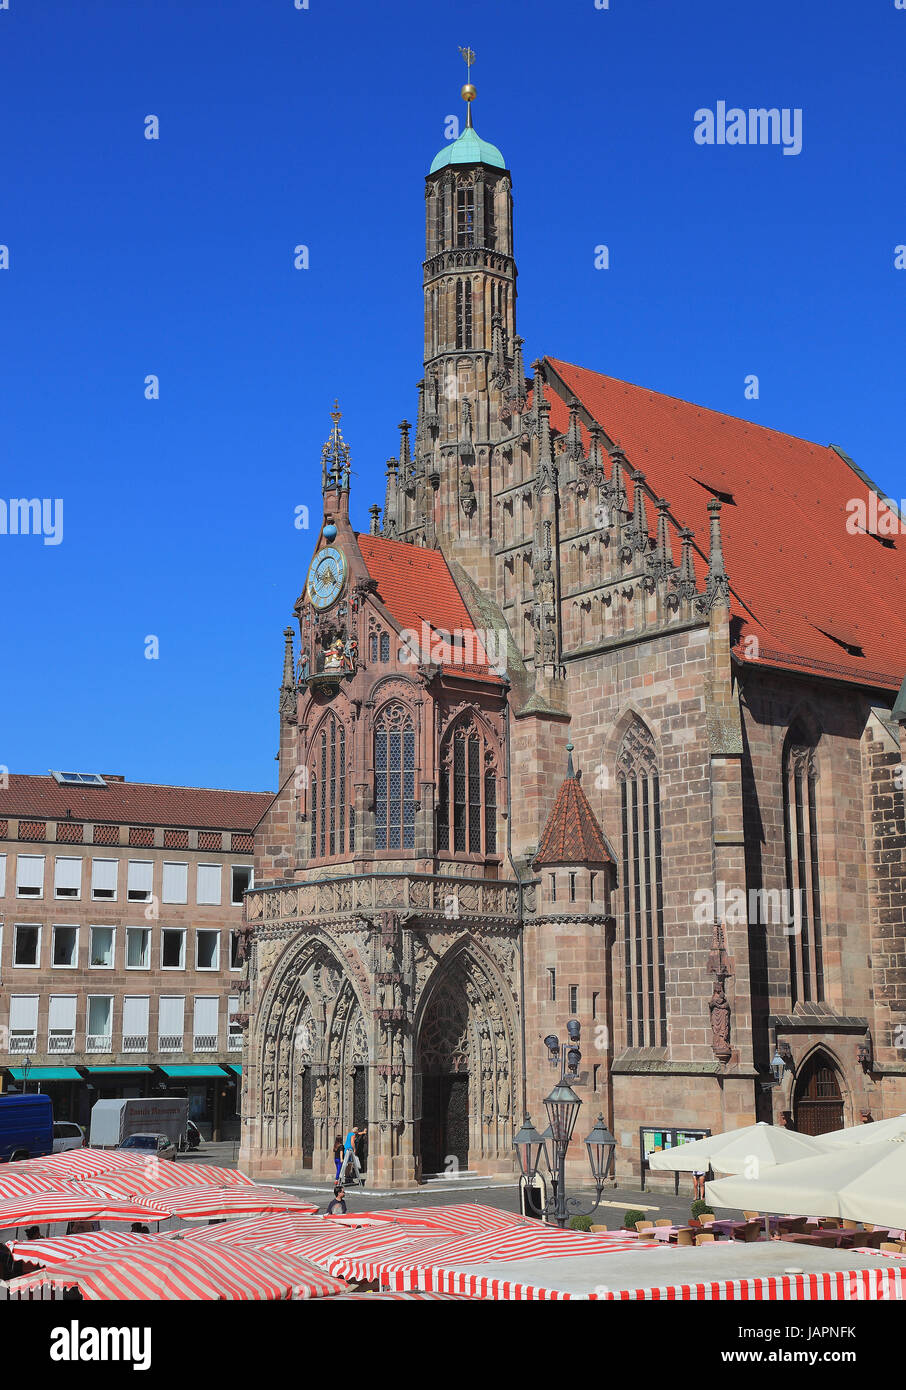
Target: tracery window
<point>463,313</point>
<point>465,217</point>
<point>332,817</point>
<point>644,946</point>
<point>394,779</point>
<point>467,794</point>
<point>803,876</point>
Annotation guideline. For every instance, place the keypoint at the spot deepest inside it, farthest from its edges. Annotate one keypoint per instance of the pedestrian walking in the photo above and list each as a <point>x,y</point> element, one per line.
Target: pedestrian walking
<point>338,1152</point>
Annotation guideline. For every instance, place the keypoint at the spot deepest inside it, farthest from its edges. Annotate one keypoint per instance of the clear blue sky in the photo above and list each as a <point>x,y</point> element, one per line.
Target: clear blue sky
<point>281,126</point>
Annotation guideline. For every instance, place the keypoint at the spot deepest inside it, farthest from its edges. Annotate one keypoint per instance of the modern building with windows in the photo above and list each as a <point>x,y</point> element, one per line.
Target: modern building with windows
<point>120,904</point>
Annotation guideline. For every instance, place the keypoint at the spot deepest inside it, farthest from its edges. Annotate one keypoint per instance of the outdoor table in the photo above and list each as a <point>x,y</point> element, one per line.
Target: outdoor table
<point>823,1238</point>
<point>724,1226</point>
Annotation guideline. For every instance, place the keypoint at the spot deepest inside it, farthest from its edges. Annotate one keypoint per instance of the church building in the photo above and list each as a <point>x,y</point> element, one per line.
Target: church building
<point>599,720</point>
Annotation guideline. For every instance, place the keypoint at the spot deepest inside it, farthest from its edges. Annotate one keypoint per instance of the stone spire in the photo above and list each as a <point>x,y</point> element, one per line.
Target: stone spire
<point>661,560</point>
<point>717,589</point>
<point>390,496</point>
<point>335,457</point>
<point>288,683</point>
<point>498,370</point>
<point>573,450</point>
<point>405,456</point>
<point>374,512</point>
<point>517,391</point>
<point>685,586</point>
<point>639,514</point>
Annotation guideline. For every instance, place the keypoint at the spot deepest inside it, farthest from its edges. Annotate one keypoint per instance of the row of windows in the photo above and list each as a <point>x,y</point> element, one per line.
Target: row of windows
<point>135,1035</point>
<point>105,882</point>
<point>467,791</point>
<point>102,947</point>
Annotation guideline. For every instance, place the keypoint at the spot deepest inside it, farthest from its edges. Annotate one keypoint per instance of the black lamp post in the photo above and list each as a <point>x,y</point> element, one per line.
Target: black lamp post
<point>562,1106</point>
<point>26,1067</point>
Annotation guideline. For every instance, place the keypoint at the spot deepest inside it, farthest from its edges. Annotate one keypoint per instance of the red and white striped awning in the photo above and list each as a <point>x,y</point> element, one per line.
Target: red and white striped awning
<point>256,1230</point>
<point>82,1163</point>
<point>18,1184</point>
<point>466,1219</point>
<point>145,1179</point>
<point>56,1249</point>
<point>199,1203</point>
<point>418,1270</point>
<point>841,1285</point>
<point>75,1206</point>
<point>171,1270</point>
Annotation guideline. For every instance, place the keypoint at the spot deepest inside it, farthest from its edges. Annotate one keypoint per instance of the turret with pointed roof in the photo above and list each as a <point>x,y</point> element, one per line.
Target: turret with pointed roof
<point>573,834</point>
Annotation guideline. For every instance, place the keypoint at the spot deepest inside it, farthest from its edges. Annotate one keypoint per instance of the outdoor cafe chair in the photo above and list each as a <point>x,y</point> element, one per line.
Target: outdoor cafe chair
<point>644,1225</point>
<point>706,1238</point>
<point>665,1222</point>
<point>687,1237</point>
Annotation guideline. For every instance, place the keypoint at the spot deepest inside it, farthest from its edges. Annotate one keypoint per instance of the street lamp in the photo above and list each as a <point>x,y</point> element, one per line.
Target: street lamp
<point>26,1066</point>
<point>529,1148</point>
<point>600,1145</point>
<point>562,1106</point>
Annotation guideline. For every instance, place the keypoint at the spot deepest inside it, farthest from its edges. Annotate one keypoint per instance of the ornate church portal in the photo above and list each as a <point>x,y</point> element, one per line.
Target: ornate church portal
<point>402,1023</point>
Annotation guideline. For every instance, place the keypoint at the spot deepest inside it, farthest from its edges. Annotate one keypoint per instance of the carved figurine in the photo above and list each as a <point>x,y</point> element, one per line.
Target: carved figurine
<point>333,657</point>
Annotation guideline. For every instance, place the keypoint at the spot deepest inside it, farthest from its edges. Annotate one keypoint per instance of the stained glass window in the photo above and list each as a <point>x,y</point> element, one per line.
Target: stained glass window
<point>394,779</point>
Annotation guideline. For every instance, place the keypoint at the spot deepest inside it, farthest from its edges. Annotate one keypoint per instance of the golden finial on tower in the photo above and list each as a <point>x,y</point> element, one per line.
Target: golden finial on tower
<point>468,92</point>
<point>336,414</point>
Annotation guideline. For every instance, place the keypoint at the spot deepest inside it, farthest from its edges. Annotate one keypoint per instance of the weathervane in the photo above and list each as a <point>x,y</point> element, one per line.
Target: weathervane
<point>468,91</point>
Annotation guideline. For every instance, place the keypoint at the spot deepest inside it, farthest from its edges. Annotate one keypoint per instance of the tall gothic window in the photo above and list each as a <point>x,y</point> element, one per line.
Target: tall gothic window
<point>803,878</point>
<point>465,217</point>
<point>644,948</point>
<point>394,779</point>
<point>463,313</point>
<point>490,226</point>
<point>467,795</point>
<point>332,829</point>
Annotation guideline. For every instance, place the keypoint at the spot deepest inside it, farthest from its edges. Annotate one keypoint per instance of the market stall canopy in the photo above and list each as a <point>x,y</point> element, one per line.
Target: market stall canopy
<point>167,1270</point>
<point>736,1150</point>
<point>864,1134</point>
<point>864,1183</point>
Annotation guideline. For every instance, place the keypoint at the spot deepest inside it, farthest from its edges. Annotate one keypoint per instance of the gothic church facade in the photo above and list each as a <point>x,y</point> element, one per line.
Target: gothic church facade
<point>598,720</point>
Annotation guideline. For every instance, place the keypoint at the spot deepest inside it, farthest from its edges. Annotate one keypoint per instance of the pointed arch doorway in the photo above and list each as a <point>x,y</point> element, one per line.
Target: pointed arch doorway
<point>818,1101</point>
<point>443,1066</point>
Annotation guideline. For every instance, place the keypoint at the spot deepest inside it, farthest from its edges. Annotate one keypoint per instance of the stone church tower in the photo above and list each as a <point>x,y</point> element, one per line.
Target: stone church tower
<point>438,887</point>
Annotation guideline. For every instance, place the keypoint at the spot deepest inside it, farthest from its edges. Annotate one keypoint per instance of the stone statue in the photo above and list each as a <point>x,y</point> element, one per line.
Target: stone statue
<point>319,1100</point>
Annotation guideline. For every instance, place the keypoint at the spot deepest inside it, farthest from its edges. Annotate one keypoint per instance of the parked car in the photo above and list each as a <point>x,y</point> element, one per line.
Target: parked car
<point>157,1144</point>
<point>67,1135</point>
<point>26,1127</point>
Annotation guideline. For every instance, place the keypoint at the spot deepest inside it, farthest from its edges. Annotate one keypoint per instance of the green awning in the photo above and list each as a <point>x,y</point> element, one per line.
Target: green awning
<point>178,1073</point>
<point>109,1071</point>
<point>234,1066</point>
<point>45,1074</point>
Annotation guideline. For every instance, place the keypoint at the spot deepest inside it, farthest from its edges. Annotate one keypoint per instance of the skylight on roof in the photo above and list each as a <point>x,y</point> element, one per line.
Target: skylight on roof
<point>78,779</point>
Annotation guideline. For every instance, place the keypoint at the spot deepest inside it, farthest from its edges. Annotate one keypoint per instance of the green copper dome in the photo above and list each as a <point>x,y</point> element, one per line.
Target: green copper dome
<point>468,149</point>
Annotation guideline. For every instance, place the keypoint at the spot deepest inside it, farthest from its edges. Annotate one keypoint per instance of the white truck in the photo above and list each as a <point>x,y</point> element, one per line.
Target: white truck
<point>112,1121</point>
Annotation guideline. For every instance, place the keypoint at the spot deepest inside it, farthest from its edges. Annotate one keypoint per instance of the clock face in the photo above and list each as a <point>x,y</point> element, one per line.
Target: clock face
<point>326,577</point>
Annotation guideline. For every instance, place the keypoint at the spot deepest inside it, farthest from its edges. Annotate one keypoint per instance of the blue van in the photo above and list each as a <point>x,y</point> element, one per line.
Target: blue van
<point>26,1127</point>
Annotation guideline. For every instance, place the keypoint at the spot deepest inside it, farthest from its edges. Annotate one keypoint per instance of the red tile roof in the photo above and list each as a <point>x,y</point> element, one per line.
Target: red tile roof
<point>797,575</point>
<point>416,587</point>
<point>572,834</point>
<point>133,803</point>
